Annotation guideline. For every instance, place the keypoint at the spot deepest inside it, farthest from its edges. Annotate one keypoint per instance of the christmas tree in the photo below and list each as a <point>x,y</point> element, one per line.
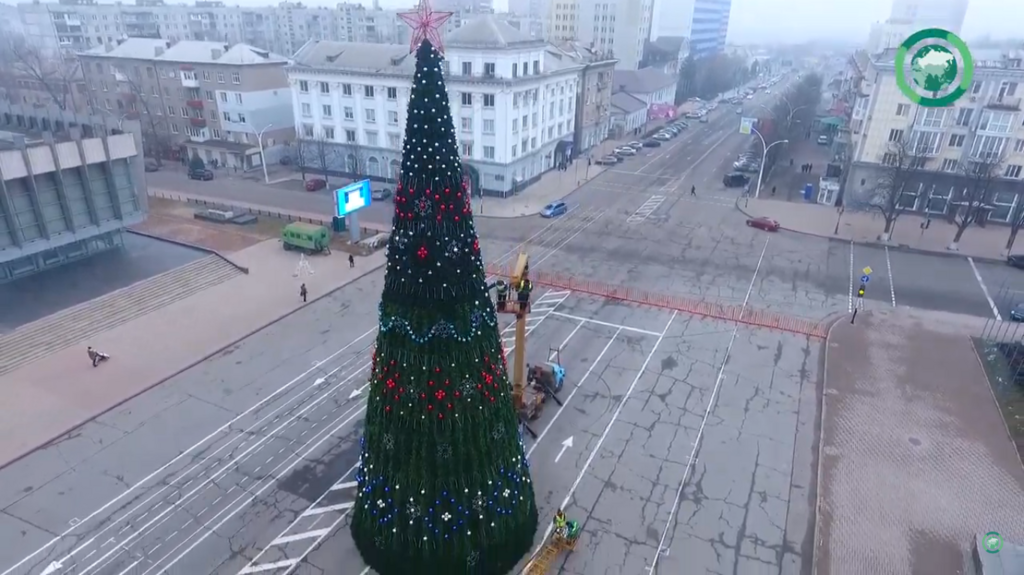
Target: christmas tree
<point>444,484</point>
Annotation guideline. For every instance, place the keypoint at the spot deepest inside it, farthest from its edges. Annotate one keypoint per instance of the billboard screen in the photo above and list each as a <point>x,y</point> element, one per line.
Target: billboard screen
<point>352,197</point>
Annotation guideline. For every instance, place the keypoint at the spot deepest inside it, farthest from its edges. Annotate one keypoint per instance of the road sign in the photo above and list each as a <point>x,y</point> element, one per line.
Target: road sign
<point>865,279</point>
<point>867,271</point>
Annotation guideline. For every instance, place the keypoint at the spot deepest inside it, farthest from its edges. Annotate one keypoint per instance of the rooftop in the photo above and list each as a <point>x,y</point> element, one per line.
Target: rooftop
<point>627,103</point>
<point>642,81</point>
<point>488,32</point>
<point>188,51</point>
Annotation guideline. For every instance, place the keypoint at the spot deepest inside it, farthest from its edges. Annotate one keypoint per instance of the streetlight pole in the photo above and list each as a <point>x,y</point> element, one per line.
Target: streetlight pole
<point>764,159</point>
<point>259,140</point>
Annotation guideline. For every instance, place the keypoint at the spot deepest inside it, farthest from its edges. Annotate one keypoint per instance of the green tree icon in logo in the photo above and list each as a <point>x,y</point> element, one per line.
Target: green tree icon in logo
<point>934,68</point>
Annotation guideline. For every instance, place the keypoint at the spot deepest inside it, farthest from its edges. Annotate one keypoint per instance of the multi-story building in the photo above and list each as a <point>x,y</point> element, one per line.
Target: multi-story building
<point>203,98</point>
<point>709,27</point>
<point>562,20</point>
<point>909,16</point>
<point>594,96</point>
<point>619,28</point>
<point>513,101</point>
<point>986,125</point>
<point>67,188</point>
<point>666,54</point>
<point>473,6</point>
<point>672,18</point>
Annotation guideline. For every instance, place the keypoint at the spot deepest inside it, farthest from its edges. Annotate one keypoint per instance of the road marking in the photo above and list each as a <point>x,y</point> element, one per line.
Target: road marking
<point>707,414</point>
<point>984,289</point>
<point>299,536</point>
<point>607,430</point>
<point>345,485</point>
<point>268,566</point>
<point>850,306</point>
<point>329,508</point>
<point>645,210</point>
<point>584,320</point>
<point>892,287</point>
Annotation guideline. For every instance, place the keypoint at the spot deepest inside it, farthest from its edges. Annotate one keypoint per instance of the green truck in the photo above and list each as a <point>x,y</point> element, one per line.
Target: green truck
<point>306,238</point>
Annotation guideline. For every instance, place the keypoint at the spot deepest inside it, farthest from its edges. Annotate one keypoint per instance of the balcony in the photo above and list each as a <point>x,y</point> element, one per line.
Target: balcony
<point>120,77</point>
<point>189,80</point>
<point>195,104</point>
<point>1010,103</point>
<point>127,96</point>
<point>197,122</point>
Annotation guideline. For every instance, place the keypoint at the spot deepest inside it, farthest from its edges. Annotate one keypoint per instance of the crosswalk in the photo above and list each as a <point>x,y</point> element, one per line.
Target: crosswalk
<point>646,209</point>
<point>540,309</point>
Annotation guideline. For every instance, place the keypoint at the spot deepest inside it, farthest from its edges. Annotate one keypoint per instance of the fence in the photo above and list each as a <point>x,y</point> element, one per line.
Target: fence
<point>715,310</point>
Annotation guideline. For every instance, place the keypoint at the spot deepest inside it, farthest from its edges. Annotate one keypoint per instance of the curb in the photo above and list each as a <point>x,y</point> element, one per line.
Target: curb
<point>821,430</point>
<point>242,269</point>
<point>181,370</point>
<point>875,244</point>
<point>534,213</point>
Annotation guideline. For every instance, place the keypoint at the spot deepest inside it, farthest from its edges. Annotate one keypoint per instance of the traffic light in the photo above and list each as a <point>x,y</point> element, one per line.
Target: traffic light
<point>860,290</point>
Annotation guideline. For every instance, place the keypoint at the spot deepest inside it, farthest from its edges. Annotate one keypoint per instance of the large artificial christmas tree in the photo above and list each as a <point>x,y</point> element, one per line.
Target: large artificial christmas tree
<point>444,484</point>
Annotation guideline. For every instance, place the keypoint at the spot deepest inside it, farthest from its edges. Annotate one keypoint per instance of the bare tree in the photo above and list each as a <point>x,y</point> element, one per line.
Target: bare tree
<point>901,164</point>
<point>305,154</point>
<point>1016,222</point>
<point>155,130</point>
<point>355,160</point>
<point>55,76</point>
<point>323,153</point>
<point>978,176</point>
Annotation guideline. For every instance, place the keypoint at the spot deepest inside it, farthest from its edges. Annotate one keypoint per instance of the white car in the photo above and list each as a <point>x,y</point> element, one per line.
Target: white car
<point>662,136</point>
<point>635,145</point>
<point>625,151</point>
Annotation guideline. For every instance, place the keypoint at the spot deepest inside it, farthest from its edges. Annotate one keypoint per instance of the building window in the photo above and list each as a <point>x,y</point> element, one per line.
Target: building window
<point>515,126</point>
<point>931,117</point>
<point>170,110</point>
<point>1012,171</point>
<point>209,96</point>
<point>216,133</point>
<point>467,124</point>
<point>184,112</point>
<point>902,110</point>
<point>346,89</point>
<point>227,116</point>
<point>392,93</point>
<point>224,97</point>
<point>1018,146</point>
<point>488,100</point>
<point>977,87</point>
<point>174,128</point>
<point>515,70</point>
<point>307,131</point>
<point>350,136</point>
<point>963,116</point>
<point>368,91</point>
<point>993,121</point>
<point>349,113</point>
<point>536,67</point>
<point>925,143</point>
<point>371,138</point>
<point>489,69</point>
<point>467,68</point>
<point>889,159</point>
<point>241,118</point>
<point>220,77</point>
<point>467,98</point>
<point>206,74</point>
<point>949,165</point>
<point>236,78</point>
<point>392,118</point>
<point>371,116</point>
<point>394,140</point>
<point>467,149</point>
<point>325,88</point>
<point>328,133</point>
<point>515,151</point>
<point>488,126</point>
<point>1003,204</point>
<point>988,148</point>
<point>938,201</point>
<point>488,152</point>
<point>307,110</point>
<point>238,97</point>
<point>533,143</point>
<point>956,141</point>
<point>327,112</point>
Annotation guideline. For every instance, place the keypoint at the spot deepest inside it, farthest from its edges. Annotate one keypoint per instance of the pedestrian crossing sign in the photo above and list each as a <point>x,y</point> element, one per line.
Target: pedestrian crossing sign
<point>867,271</point>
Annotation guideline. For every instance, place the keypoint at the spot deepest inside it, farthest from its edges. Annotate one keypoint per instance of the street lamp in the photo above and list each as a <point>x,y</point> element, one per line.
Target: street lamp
<point>259,140</point>
<point>764,158</point>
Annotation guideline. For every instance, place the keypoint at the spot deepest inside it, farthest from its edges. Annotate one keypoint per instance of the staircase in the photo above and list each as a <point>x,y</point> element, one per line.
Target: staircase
<point>77,324</point>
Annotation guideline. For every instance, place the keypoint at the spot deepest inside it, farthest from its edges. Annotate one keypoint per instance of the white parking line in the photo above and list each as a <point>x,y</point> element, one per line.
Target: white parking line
<point>329,508</point>
<point>299,536</point>
<point>268,566</point>
<point>850,307</point>
<point>892,286</point>
<point>984,290</point>
<point>646,209</point>
<point>584,320</point>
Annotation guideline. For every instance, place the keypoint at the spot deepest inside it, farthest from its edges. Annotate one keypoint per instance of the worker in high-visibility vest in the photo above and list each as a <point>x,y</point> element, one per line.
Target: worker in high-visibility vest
<point>523,288</point>
<point>501,288</point>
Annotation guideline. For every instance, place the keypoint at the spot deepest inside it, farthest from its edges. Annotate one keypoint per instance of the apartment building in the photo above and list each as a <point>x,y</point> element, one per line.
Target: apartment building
<point>909,16</point>
<point>78,25</point>
<point>594,95</point>
<point>562,20</point>
<point>200,98</point>
<point>618,28</point>
<point>709,27</point>
<point>985,125</point>
<point>672,18</point>
<point>513,101</point>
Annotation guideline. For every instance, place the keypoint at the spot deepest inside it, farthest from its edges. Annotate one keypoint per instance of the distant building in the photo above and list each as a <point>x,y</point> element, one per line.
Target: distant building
<point>666,54</point>
<point>672,18</point>
<point>652,87</point>
<point>709,27</point>
<point>629,114</point>
<point>513,102</point>
<point>593,98</point>
<point>909,16</point>
<point>562,20</point>
<point>207,98</point>
<point>67,188</point>
<point>619,28</point>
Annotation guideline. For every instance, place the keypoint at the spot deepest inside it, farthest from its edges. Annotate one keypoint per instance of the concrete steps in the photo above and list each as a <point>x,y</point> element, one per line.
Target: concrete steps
<point>77,324</point>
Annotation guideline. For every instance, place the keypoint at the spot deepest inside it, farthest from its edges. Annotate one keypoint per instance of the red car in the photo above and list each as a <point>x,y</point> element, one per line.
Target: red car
<point>315,184</point>
<point>766,224</point>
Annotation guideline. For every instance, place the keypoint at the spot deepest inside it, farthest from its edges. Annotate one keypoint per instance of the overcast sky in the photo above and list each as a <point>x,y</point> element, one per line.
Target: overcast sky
<point>762,20</point>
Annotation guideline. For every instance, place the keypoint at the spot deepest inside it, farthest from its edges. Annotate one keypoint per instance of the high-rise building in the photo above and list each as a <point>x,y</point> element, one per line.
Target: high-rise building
<point>619,29</point>
<point>474,6</point>
<point>709,27</point>
<point>908,16</point>
<point>562,20</point>
<point>672,18</point>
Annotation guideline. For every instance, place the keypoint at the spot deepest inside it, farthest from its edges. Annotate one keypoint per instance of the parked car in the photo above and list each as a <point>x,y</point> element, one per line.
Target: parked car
<point>735,180</point>
<point>652,144</point>
<point>607,161</point>
<point>823,140</point>
<point>635,145</point>
<point>204,175</point>
<point>151,165</point>
<point>1017,313</point>
<point>1016,261</point>
<point>625,151</point>
<point>381,194</point>
<point>314,184</point>
<point>662,136</point>
<point>739,111</point>
<point>703,119</point>
<point>766,224</point>
<point>746,167</point>
<point>554,210</point>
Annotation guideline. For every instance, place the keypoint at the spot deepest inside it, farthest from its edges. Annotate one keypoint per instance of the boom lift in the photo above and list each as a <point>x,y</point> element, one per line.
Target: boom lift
<point>531,385</point>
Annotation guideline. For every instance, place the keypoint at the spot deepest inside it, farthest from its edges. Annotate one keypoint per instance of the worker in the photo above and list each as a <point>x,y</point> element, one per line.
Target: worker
<point>560,521</point>
<point>523,288</point>
<point>502,290</point>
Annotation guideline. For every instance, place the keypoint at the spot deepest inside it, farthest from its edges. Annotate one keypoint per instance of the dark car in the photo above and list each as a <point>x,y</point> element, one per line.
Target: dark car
<point>381,194</point>
<point>204,175</point>
<point>1016,261</point>
<point>735,180</point>
<point>766,224</point>
<point>151,165</point>
<point>652,144</point>
<point>314,184</point>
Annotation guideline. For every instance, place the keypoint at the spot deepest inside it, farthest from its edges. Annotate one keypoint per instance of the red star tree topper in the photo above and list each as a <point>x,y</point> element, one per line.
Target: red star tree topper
<point>426,25</point>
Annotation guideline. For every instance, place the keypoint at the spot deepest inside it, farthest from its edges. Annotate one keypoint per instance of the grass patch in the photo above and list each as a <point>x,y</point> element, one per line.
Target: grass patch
<point>1004,369</point>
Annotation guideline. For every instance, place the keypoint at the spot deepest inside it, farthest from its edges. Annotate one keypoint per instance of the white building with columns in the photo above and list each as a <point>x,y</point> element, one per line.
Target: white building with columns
<point>512,101</point>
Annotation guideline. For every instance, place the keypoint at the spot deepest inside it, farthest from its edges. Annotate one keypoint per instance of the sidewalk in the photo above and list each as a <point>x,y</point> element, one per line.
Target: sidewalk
<point>818,220</point>
<point>788,180</point>
<point>914,455</point>
<point>49,398</point>
<point>555,184</point>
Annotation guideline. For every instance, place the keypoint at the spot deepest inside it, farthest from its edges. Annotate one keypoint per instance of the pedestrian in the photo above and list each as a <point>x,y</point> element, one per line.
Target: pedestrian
<point>351,261</point>
<point>303,292</point>
<point>791,162</point>
<point>773,190</point>
<point>810,168</point>
<point>693,190</point>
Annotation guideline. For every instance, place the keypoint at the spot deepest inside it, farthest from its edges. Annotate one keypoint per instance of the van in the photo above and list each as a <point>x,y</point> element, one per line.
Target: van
<point>306,238</point>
